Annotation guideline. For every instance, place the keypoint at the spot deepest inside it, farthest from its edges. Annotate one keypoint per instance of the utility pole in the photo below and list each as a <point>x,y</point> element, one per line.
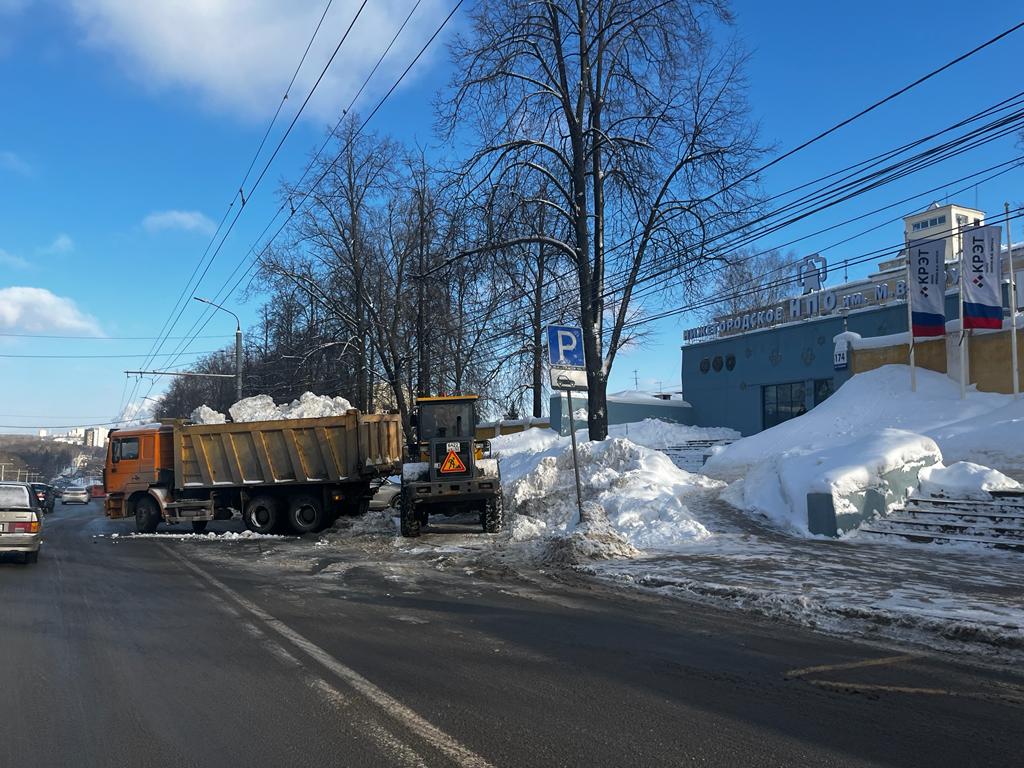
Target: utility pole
<point>636,379</point>
<point>3,470</point>
<point>238,345</point>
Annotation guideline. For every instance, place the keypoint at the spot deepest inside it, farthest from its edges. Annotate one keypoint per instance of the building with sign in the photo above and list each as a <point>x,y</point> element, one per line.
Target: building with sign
<point>757,368</point>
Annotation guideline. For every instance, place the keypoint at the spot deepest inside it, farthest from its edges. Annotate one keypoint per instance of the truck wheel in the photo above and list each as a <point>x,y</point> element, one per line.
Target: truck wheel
<point>410,522</point>
<point>147,515</point>
<point>306,515</point>
<point>199,526</point>
<point>494,514</point>
<point>262,515</point>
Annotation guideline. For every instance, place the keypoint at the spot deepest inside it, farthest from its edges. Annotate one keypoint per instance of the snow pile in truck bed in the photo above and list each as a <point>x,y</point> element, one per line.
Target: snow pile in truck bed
<point>204,414</point>
<point>308,406</point>
<point>964,479</point>
<point>639,490</point>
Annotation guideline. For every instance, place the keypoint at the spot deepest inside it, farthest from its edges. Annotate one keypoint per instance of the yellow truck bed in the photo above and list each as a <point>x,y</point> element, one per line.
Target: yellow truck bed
<point>287,452</point>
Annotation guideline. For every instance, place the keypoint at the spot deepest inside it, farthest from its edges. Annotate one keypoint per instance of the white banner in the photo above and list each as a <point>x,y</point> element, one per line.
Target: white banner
<point>927,262</point>
<point>981,277</point>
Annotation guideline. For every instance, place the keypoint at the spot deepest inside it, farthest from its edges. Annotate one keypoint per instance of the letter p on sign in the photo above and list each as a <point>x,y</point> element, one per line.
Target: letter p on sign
<point>565,346</point>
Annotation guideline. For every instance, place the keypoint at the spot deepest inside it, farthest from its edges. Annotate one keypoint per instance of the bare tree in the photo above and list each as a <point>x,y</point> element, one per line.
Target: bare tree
<point>747,280</point>
<point>636,124</point>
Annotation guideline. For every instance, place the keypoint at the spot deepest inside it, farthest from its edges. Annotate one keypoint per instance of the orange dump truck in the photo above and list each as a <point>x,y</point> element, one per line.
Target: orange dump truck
<point>294,475</point>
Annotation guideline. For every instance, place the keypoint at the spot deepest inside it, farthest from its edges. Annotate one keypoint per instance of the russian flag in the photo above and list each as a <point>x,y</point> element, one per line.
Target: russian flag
<point>928,324</point>
<point>982,316</point>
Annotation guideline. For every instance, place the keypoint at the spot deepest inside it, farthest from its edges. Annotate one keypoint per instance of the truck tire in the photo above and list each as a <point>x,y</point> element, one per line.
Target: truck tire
<point>147,515</point>
<point>410,521</point>
<point>493,517</point>
<point>199,526</point>
<point>262,515</point>
<point>306,514</point>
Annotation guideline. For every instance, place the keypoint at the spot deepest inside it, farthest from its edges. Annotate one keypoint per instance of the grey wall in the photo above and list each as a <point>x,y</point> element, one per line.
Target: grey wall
<point>622,413</point>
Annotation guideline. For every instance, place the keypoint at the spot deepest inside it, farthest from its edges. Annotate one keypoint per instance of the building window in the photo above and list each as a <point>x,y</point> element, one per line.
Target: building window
<point>823,388</point>
<point>782,402</point>
<point>717,363</point>
<point>730,362</point>
<point>705,365</point>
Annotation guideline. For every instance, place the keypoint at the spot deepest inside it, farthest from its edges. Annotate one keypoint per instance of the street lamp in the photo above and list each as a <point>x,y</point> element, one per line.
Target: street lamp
<point>238,345</point>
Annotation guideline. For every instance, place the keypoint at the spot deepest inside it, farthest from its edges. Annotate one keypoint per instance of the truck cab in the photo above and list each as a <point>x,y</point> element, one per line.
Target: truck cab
<point>140,461</point>
<point>448,472</point>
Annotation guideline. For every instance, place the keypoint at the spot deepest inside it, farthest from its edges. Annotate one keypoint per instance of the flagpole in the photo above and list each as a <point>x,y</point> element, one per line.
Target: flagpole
<point>910,323</point>
<point>1013,306</point>
<point>963,330</point>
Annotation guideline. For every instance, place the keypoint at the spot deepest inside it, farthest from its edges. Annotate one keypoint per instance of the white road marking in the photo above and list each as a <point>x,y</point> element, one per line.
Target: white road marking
<point>443,742</point>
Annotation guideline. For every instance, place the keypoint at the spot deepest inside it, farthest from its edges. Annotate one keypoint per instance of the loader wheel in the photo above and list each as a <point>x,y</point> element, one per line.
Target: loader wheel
<point>493,517</point>
<point>147,515</point>
<point>410,522</point>
<point>306,515</point>
<point>262,515</point>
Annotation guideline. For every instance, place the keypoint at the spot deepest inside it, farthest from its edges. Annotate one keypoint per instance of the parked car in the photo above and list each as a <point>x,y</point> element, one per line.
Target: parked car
<point>75,495</point>
<point>46,496</point>
<point>21,521</point>
<point>389,494</point>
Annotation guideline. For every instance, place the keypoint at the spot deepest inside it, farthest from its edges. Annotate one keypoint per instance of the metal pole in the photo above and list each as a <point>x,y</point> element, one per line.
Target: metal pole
<point>910,324</point>
<point>238,363</point>
<point>963,331</point>
<point>1013,307</point>
<point>575,455</point>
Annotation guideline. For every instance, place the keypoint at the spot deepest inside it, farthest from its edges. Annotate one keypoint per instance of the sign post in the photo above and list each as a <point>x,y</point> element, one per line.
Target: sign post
<point>568,373</point>
<point>1013,307</point>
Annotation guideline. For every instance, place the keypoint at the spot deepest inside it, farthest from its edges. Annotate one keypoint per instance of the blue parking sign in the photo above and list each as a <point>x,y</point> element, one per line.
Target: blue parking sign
<point>565,346</point>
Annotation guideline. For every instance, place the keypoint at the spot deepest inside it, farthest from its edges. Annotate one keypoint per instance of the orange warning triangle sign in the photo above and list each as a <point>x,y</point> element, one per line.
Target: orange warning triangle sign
<point>452,463</point>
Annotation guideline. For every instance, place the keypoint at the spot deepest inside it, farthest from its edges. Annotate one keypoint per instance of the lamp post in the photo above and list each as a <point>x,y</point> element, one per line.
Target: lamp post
<point>238,345</point>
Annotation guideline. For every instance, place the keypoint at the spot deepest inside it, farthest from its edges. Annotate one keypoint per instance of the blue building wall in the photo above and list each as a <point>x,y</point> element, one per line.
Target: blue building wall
<point>797,352</point>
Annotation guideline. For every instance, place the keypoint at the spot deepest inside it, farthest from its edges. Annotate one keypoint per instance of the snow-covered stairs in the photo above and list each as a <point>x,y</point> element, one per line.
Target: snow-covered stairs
<point>692,454</point>
<point>998,522</point>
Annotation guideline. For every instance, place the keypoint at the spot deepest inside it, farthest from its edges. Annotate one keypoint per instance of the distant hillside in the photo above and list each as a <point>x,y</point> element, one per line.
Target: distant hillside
<point>30,454</point>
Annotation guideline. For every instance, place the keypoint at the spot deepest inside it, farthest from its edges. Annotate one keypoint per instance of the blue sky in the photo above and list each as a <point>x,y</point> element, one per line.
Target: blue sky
<point>128,125</point>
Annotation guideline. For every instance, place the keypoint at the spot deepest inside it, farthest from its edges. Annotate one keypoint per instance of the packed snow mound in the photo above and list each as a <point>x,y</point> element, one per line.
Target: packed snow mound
<point>964,480</point>
<point>777,486</point>
<point>308,406</point>
<point>593,539</point>
<point>519,453</point>
<point>993,439</point>
<point>868,402</point>
<point>204,414</point>
<point>640,491</point>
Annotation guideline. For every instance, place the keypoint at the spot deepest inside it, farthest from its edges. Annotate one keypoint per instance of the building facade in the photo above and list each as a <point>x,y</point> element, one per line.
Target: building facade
<point>755,369</point>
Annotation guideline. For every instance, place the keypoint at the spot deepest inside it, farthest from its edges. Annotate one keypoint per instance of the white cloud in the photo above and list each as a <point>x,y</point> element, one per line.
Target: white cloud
<point>239,57</point>
<point>37,310</point>
<point>61,244</point>
<point>136,412</point>
<point>188,221</point>
<point>13,261</point>
<point>11,161</point>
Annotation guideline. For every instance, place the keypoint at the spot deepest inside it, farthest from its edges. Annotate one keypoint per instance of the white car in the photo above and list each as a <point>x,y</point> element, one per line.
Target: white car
<point>21,521</point>
<point>76,495</point>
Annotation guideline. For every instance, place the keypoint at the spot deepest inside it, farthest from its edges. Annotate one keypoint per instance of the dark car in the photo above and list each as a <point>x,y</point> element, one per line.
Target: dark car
<point>45,494</point>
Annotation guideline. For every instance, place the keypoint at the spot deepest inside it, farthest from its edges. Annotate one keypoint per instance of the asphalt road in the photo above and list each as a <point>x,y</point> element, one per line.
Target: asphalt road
<point>159,652</point>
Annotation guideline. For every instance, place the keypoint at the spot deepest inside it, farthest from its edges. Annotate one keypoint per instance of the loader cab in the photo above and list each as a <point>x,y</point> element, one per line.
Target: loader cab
<point>446,435</point>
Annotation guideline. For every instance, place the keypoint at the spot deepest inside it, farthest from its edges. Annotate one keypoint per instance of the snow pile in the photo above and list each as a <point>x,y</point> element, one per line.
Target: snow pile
<point>592,539</point>
<point>638,489</point>
<point>309,406</point>
<point>519,453</point>
<point>204,414</point>
<point>777,486</point>
<point>871,426</point>
<point>964,480</point>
